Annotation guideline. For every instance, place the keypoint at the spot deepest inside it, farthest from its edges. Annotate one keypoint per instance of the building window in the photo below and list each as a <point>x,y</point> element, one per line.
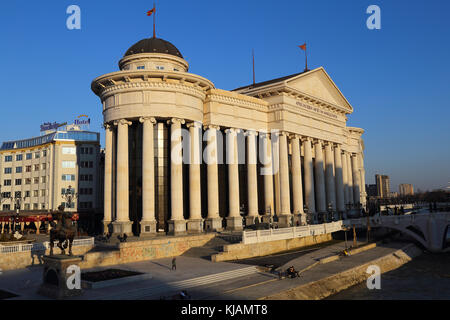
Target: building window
<point>8,170</point>
<point>175,69</point>
<point>37,154</point>
<point>29,156</point>
<point>44,153</point>
<point>36,180</point>
<point>68,177</point>
<point>44,166</point>
<point>43,206</point>
<point>28,169</point>
<point>28,181</point>
<point>66,191</point>
<point>159,67</point>
<point>36,167</point>
<point>35,206</point>
<point>68,164</point>
<point>7,182</point>
<point>43,193</point>
<point>43,179</point>
<point>18,194</point>
<point>18,169</point>
<point>68,205</point>
<point>69,150</point>
<point>19,157</point>
<point>35,193</point>
<point>6,194</point>
<point>140,67</point>
<point>27,194</point>
<point>27,206</point>
<point>6,207</point>
<point>18,182</point>
<point>8,158</point>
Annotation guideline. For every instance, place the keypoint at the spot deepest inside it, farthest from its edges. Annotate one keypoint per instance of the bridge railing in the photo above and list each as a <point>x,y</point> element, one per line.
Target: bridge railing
<point>23,247</point>
<point>259,236</point>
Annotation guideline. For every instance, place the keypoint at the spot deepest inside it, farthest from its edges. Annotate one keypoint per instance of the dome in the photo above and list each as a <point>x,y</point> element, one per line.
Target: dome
<point>153,45</point>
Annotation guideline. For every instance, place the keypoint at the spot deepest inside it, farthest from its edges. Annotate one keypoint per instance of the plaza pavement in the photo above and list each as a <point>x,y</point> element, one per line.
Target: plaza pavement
<point>204,279</point>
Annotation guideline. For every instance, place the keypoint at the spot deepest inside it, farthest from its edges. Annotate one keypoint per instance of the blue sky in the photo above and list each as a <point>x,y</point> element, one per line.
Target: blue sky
<point>396,78</point>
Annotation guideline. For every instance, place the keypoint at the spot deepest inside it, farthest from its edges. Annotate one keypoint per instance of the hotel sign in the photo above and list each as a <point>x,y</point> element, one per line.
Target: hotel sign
<point>82,120</point>
<point>51,126</point>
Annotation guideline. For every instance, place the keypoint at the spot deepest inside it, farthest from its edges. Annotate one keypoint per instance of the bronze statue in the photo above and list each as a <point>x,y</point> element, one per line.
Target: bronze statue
<point>63,231</point>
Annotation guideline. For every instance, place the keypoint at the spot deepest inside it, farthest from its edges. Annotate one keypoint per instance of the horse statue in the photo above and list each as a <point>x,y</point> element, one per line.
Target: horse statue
<point>63,231</point>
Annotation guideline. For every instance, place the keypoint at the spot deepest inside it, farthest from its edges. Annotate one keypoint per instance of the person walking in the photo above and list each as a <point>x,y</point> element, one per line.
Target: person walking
<point>174,264</point>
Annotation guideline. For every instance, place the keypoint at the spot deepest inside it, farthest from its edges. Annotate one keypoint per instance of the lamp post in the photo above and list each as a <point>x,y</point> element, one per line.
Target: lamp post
<point>308,216</point>
<point>17,200</point>
<point>69,196</point>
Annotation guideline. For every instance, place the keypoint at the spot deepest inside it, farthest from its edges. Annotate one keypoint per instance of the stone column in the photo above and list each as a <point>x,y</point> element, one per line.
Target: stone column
<point>356,179</point>
<point>340,200</point>
<point>345,178</point>
<point>297,189</point>
<point>329,172</point>
<point>252,180</point>
<point>148,222</point>
<point>177,224</point>
<point>309,177</point>
<point>195,222</point>
<point>320,179</point>
<point>349,178</point>
<point>267,172</point>
<point>234,220</point>
<point>107,212</point>
<point>213,221</point>
<point>363,181</point>
<point>122,225</point>
<point>284,218</point>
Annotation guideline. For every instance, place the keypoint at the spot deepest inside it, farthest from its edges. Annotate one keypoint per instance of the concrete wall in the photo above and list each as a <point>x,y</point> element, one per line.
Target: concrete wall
<point>20,260</point>
<point>145,250</point>
<point>243,251</point>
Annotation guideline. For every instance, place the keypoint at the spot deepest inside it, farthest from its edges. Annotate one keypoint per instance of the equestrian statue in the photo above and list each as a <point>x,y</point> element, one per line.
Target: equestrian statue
<point>63,231</point>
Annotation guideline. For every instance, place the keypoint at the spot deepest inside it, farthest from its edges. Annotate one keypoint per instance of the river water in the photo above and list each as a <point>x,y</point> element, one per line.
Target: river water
<point>425,277</point>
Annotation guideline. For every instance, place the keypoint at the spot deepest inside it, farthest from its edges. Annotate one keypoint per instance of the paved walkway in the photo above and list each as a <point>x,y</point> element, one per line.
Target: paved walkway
<point>203,279</point>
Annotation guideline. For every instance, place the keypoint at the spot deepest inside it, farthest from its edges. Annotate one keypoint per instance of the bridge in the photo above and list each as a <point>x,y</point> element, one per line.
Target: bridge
<point>429,229</point>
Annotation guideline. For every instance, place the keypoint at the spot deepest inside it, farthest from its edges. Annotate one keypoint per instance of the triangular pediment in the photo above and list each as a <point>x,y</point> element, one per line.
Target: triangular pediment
<point>318,84</point>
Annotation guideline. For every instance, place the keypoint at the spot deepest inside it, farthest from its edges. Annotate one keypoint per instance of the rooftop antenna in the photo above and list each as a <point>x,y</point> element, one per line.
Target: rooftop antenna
<point>253,58</point>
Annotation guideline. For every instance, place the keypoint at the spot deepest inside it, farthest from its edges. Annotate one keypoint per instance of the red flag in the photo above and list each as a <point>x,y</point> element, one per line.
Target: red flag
<point>303,47</point>
<point>149,13</point>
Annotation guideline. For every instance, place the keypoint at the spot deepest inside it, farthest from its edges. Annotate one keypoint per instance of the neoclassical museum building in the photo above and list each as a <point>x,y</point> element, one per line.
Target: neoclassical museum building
<point>182,156</point>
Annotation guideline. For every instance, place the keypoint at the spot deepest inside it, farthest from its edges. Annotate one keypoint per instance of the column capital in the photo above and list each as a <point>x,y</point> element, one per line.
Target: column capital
<point>194,124</point>
<point>328,143</point>
<point>265,135</point>
<point>144,119</point>
<point>304,139</point>
<point>337,145</point>
<point>232,130</point>
<point>317,141</point>
<point>248,133</point>
<point>281,133</point>
<point>293,136</point>
<point>108,126</point>
<point>176,121</point>
<point>122,122</point>
<point>211,126</point>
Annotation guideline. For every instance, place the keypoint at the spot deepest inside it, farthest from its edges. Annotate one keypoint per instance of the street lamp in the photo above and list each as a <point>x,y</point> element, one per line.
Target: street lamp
<point>308,215</point>
<point>17,200</point>
<point>69,196</point>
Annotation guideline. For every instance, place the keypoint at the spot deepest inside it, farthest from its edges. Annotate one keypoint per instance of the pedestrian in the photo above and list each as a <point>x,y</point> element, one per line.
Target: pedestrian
<point>174,264</point>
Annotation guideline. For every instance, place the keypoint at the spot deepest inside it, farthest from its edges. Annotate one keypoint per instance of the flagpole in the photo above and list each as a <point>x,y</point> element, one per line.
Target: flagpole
<point>154,21</point>
<point>306,59</point>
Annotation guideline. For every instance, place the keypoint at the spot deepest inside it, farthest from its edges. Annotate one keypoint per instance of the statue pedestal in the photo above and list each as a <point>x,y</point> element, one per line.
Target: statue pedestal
<point>62,277</point>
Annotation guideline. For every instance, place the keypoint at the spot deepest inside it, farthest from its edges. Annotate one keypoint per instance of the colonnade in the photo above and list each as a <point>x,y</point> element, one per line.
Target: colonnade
<point>333,181</point>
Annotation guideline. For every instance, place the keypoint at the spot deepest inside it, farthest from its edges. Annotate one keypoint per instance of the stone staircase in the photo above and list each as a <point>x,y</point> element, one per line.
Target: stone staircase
<point>213,247</point>
<point>167,289</point>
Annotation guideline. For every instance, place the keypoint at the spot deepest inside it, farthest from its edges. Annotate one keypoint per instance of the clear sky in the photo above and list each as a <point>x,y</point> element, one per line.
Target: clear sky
<point>396,78</point>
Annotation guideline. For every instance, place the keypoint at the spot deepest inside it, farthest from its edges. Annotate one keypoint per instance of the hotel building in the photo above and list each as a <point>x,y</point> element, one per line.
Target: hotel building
<point>266,150</point>
<point>40,170</point>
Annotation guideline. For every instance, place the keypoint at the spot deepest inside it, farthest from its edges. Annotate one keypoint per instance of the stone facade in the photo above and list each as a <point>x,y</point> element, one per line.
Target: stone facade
<point>183,156</point>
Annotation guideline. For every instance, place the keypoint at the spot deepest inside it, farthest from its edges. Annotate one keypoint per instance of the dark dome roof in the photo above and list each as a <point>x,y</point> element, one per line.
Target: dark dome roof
<point>153,45</point>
